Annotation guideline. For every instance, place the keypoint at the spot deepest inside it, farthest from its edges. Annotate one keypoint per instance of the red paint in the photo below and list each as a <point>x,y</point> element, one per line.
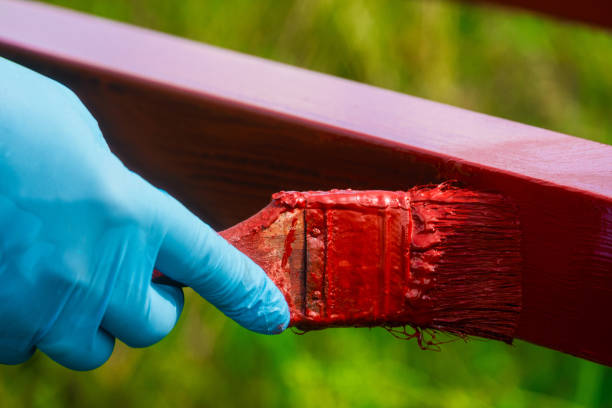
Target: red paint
<point>439,257</point>
<point>223,142</point>
<point>288,243</point>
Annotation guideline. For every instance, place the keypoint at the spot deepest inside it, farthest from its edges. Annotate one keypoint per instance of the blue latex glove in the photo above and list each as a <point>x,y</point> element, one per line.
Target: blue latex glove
<point>80,235</point>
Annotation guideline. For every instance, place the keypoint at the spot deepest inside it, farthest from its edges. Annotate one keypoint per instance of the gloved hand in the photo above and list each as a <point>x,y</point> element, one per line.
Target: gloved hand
<point>80,235</point>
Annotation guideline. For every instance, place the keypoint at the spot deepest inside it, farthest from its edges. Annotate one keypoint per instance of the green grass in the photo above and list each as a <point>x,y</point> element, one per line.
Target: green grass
<point>517,66</point>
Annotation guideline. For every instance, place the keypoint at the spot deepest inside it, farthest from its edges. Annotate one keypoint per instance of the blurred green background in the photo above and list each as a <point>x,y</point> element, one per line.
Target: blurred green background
<point>509,64</point>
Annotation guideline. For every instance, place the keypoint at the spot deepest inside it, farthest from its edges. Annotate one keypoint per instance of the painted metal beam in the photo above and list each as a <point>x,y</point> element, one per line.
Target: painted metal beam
<point>223,130</point>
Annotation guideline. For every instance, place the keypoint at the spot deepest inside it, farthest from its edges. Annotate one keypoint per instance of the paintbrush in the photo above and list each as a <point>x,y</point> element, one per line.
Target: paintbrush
<point>439,257</point>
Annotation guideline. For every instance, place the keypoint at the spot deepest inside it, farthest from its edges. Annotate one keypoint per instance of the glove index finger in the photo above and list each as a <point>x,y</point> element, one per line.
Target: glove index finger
<point>194,254</point>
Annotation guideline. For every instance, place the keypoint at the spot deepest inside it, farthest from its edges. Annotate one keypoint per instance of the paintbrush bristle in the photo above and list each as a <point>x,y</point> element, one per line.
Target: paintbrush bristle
<point>470,242</point>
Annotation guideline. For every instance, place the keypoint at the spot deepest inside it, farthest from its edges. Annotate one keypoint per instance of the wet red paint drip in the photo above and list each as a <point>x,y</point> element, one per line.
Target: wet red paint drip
<point>437,257</point>
<point>288,243</point>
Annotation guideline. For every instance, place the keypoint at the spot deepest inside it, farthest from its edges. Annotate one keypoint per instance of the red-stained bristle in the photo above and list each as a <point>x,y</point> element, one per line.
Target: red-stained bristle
<point>469,242</point>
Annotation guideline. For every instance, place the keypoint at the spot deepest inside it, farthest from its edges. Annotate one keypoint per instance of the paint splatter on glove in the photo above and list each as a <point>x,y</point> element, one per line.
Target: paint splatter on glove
<point>80,235</point>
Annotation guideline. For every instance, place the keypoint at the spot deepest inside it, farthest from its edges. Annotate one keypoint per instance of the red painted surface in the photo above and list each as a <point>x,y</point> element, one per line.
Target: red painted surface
<point>210,125</point>
<point>438,257</point>
<point>587,11</point>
